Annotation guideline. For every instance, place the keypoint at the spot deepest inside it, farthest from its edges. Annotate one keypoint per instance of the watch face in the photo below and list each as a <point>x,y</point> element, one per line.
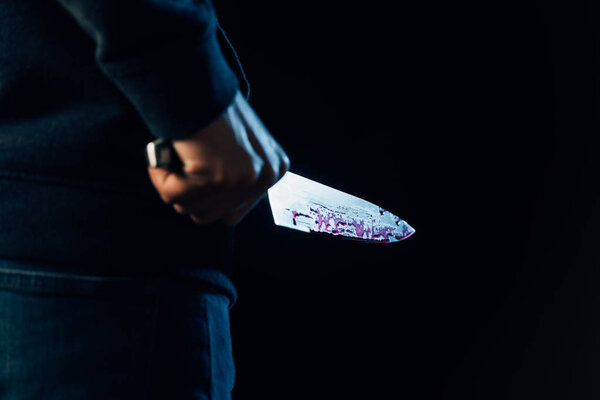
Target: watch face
<point>161,154</point>
<point>151,155</point>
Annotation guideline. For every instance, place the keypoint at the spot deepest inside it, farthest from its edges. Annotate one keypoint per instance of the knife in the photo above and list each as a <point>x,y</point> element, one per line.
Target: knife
<point>305,205</point>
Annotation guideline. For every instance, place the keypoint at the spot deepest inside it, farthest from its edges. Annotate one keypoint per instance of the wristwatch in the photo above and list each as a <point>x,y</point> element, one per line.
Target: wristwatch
<point>160,153</point>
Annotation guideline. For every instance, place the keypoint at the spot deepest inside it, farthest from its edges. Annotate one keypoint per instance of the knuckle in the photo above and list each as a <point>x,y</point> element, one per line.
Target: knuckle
<point>199,217</point>
<point>203,219</point>
<point>218,176</point>
<point>197,220</point>
<point>248,178</point>
<point>167,198</point>
<point>198,167</point>
<point>252,176</point>
<point>285,165</point>
<point>171,198</point>
<point>269,177</point>
<point>180,209</point>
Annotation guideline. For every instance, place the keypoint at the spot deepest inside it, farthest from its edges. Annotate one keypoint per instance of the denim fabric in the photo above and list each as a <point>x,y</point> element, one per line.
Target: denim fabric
<point>65,336</point>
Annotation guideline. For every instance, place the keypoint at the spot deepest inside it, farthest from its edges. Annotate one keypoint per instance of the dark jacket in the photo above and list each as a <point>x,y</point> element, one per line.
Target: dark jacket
<point>84,85</point>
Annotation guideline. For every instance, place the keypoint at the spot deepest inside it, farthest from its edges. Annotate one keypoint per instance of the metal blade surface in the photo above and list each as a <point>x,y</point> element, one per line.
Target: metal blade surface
<point>302,204</point>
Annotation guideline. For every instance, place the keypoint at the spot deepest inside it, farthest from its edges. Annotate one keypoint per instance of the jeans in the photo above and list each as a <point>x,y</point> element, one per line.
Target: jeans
<point>65,336</point>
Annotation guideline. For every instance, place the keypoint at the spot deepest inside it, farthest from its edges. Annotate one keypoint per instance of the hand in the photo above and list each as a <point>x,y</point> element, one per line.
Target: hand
<point>227,168</point>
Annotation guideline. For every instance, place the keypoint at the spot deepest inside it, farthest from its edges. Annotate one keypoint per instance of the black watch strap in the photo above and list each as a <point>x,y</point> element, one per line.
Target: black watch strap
<point>161,154</point>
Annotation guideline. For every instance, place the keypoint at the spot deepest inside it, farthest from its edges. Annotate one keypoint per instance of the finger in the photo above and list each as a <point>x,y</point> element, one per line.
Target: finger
<point>167,184</point>
<point>235,217</point>
<point>258,137</point>
<point>179,209</point>
<point>231,206</point>
<point>213,214</point>
<point>158,176</point>
<point>267,178</point>
<point>214,208</point>
<point>175,188</point>
<point>202,221</point>
<point>284,165</point>
<point>267,147</point>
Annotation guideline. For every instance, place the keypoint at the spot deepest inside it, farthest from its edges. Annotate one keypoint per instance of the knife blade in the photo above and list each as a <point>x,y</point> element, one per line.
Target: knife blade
<point>305,205</point>
<point>308,206</point>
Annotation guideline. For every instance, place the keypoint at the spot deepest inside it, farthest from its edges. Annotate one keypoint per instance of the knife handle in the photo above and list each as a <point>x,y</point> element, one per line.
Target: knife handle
<point>160,153</point>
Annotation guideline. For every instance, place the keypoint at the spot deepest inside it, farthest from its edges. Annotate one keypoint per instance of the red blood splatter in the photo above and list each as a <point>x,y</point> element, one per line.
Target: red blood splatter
<point>384,232</point>
<point>360,229</point>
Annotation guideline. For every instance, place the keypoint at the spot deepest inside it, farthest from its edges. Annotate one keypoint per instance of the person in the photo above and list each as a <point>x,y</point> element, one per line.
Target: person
<point>115,277</point>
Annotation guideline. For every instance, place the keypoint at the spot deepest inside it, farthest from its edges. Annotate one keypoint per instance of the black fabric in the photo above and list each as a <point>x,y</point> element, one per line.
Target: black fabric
<point>84,85</point>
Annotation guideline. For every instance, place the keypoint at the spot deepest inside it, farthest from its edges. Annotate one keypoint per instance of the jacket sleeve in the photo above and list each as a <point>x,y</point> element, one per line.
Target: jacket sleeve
<point>164,56</point>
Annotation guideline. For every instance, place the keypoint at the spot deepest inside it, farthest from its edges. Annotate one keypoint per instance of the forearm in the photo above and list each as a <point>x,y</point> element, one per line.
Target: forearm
<point>165,58</point>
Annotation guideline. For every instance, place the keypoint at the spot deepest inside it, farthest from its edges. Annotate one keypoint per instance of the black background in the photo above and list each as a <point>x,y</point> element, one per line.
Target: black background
<point>476,123</point>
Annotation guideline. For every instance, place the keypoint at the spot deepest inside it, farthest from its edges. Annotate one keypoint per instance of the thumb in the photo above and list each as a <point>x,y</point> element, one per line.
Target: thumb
<point>169,185</point>
<point>158,176</point>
